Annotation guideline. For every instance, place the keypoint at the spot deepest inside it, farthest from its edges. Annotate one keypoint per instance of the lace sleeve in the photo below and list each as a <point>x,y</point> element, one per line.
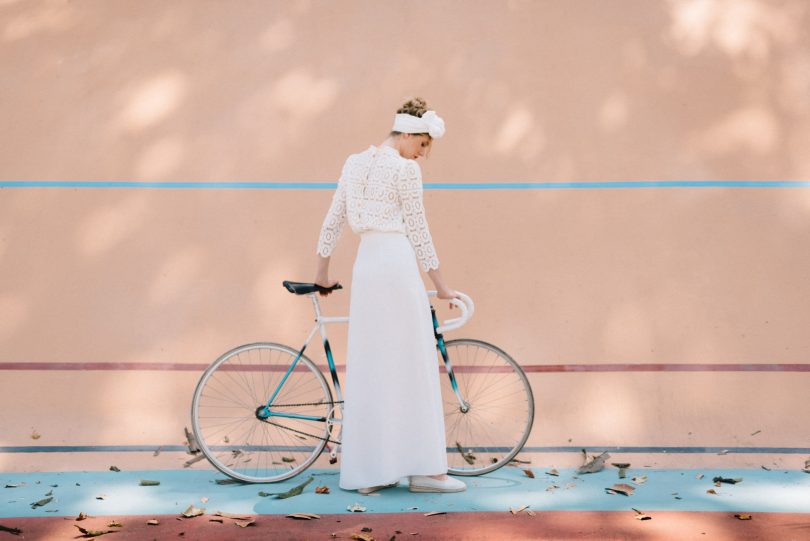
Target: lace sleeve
<point>335,219</point>
<point>413,213</point>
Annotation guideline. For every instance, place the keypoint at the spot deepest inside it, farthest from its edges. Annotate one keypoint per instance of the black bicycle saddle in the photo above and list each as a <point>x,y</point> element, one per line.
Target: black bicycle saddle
<point>301,288</point>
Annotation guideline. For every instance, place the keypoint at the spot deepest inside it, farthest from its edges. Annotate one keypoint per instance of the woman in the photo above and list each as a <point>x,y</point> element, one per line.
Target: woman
<point>393,416</point>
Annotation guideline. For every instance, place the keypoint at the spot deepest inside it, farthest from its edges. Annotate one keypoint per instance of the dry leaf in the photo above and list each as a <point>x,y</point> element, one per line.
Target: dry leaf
<point>734,481</point>
<point>12,531</point>
<point>245,524</point>
<point>322,490</point>
<point>766,468</point>
<point>595,465</point>
<point>362,537</point>
<point>115,468</point>
<point>153,522</point>
<point>621,488</point>
<point>114,524</point>
<point>355,508</point>
<point>303,516</point>
<point>518,510</point>
<point>743,516</point>
<point>529,473</point>
<point>642,516</point>
<point>232,516</point>
<point>553,472</point>
<point>518,461</point>
<point>40,503</point>
<point>622,468</point>
<point>35,435</point>
<point>193,460</point>
<point>468,456</point>
<point>295,491</point>
<point>92,533</point>
<point>191,441</point>
<point>711,491</point>
<point>148,483</point>
<point>192,511</point>
<point>432,513</point>
<point>287,459</point>
<point>754,433</point>
<point>228,481</point>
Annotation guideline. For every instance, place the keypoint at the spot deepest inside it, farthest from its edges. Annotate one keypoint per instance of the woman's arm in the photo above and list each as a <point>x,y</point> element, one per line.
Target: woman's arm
<point>442,290</point>
<point>416,226</point>
<point>322,274</point>
<point>330,232</point>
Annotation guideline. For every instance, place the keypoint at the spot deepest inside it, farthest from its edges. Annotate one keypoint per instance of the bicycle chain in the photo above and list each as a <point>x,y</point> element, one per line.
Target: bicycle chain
<point>307,404</point>
<point>327,440</point>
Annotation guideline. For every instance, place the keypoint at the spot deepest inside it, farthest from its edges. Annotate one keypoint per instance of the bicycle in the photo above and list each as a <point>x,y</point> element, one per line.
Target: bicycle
<point>264,412</point>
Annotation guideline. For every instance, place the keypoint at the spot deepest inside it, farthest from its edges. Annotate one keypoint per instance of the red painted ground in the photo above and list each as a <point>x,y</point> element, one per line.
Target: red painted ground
<point>552,525</point>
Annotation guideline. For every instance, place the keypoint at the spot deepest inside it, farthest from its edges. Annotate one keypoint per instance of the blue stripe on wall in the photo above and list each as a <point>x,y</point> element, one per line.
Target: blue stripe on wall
<point>427,185</point>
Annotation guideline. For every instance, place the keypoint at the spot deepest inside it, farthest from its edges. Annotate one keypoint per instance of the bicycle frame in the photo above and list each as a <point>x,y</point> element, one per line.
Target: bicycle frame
<point>321,322</point>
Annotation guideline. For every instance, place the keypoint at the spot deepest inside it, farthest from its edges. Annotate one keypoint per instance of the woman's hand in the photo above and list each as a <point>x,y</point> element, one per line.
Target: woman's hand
<point>325,282</point>
<point>442,291</point>
<point>322,275</point>
<point>446,293</point>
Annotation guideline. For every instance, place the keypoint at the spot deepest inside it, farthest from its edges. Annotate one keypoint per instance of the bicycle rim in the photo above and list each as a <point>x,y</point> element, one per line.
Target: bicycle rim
<point>501,408</point>
<point>223,413</point>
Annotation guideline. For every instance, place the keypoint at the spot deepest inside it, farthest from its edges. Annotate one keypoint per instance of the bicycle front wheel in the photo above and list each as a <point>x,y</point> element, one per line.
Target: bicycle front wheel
<point>231,434</point>
<point>496,423</point>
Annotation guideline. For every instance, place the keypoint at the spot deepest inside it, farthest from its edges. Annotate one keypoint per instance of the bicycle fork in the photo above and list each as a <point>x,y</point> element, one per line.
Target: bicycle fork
<point>464,406</point>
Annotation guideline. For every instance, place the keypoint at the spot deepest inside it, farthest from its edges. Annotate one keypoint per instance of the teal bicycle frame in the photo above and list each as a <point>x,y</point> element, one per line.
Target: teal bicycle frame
<point>321,321</point>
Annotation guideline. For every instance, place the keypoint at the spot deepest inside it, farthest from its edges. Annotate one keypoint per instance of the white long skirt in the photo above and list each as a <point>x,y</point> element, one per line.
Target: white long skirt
<point>393,417</point>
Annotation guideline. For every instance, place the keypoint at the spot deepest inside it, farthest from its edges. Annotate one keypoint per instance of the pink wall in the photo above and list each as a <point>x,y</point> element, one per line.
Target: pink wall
<point>572,91</point>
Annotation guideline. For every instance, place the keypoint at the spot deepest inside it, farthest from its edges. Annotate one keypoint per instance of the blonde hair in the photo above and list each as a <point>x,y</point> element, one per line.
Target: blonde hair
<point>416,107</point>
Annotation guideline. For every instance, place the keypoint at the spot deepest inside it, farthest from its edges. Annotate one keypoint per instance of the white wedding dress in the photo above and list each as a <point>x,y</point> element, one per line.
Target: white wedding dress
<point>393,416</point>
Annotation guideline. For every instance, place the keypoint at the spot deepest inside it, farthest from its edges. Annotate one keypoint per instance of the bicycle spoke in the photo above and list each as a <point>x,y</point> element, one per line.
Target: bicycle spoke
<point>501,407</point>
<point>222,412</point>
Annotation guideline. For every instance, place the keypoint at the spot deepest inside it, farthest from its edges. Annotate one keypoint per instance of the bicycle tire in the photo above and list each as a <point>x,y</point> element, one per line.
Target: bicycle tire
<point>501,413</point>
<point>227,429</point>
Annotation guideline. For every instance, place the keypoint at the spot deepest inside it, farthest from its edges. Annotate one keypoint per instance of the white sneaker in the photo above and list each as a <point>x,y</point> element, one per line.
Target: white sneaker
<point>423,483</point>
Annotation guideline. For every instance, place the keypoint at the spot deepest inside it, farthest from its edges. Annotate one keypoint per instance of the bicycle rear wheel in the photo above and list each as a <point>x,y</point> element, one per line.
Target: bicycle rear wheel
<point>224,413</point>
<point>501,408</point>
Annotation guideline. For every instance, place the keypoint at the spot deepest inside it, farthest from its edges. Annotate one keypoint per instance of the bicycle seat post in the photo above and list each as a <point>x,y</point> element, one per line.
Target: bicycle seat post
<point>316,305</point>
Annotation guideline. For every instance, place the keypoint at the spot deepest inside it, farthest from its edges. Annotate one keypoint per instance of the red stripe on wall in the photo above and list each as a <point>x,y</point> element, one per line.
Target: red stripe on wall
<point>629,367</point>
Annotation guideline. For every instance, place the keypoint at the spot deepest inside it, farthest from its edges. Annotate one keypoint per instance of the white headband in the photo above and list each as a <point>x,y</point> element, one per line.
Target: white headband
<point>429,123</point>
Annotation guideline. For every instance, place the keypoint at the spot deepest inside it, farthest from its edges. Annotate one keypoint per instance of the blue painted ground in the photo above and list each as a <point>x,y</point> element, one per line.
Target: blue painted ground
<point>75,492</point>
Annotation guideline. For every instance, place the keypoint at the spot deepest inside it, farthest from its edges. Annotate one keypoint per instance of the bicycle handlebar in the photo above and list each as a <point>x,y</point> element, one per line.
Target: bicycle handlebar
<point>464,303</point>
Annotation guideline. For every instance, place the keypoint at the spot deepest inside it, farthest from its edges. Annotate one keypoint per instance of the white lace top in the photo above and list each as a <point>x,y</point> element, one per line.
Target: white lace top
<point>379,190</point>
